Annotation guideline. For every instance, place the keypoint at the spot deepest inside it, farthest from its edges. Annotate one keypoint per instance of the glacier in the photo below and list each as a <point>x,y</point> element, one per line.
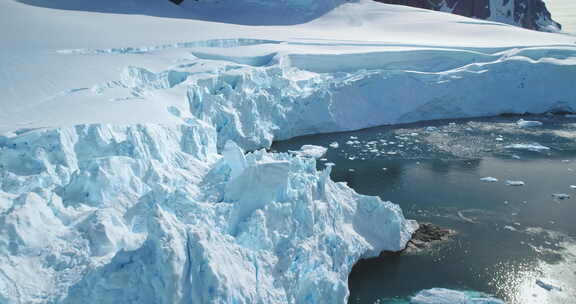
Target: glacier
<point>133,166</point>
<point>151,214</point>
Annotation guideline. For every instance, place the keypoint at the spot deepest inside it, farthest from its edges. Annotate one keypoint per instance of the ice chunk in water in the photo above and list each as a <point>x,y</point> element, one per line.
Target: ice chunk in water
<point>489,179</point>
<point>528,123</point>
<point>547,286</point>
<point>561,196</point>
<point>448,296</point>
<point>311,151</point>
<point>514,183</point>
<point>528,147</point>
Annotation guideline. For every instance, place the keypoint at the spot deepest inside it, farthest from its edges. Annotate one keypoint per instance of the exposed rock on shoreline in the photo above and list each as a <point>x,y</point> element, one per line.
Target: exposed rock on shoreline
<point>426,236</point>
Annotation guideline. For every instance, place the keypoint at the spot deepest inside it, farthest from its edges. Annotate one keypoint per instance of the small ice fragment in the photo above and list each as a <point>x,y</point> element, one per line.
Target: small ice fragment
<point>514,183</point>
<point>547,286</point>
<point>323,159</point>
<point>329,164</point>
<point>349,142</point>
<point>310,151</point>
<point>334,145</point>
<point>529,147</point>
<point>489,179</point>
<point>351,170</point>
<point>444,296</point>
<point>572,186</point>
<point>499,139</point>
<point>452,124</point>
<point>353,137</point>
<point>414,134</point>
<point>506,202</point>
<point>528,123</point>
<point>561,196</point>
<point>384,169</point>
<point>431,129</point>
<point>392,153</point>
<point>510,228</point>
<point>514,156</point>
<point>565,160</point>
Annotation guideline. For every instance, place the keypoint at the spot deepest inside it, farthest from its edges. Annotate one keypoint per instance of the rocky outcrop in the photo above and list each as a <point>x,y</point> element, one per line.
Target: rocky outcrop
<point>530,14</point>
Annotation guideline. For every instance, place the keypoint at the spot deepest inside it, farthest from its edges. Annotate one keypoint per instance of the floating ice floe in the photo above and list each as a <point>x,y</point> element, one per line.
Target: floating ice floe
<point>514,183</point>
<point>547,286</point>
<point>561,196</point>
<point>528,147</point>
<point>334,145</point>
<point>431,129</point>
<point>311,151</point>
<point>511,228</point>
<point>572,186</point>
<point>448,296</point>
<point>489,179</point>
<point>528,123</point>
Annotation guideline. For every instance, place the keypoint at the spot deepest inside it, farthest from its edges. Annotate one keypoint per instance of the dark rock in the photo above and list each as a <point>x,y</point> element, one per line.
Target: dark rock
<point>426,236</point>
<point>530,14</point>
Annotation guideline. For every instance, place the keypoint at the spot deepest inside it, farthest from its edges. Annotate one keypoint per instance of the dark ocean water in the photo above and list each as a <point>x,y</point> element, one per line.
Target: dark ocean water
<point>509,237</point>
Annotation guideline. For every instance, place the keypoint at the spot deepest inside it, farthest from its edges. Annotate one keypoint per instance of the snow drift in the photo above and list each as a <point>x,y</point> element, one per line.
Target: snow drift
<point>123,176</point>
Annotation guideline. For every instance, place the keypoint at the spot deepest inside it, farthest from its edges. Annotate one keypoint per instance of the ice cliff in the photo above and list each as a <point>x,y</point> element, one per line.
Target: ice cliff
<point>151,214</point>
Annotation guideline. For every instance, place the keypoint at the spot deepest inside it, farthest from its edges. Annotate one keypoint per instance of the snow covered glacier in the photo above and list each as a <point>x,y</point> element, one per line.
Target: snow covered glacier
<point>123,176</point>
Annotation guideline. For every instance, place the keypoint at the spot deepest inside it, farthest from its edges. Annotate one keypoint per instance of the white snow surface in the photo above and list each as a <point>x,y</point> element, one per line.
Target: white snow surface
<point>123,177</point>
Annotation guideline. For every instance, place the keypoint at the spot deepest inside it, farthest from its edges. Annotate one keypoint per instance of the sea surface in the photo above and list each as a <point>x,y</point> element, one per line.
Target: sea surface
<point>511,240</point>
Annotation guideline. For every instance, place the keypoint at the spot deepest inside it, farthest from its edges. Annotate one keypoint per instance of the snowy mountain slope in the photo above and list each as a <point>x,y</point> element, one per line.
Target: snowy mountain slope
<point>111,185</point>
